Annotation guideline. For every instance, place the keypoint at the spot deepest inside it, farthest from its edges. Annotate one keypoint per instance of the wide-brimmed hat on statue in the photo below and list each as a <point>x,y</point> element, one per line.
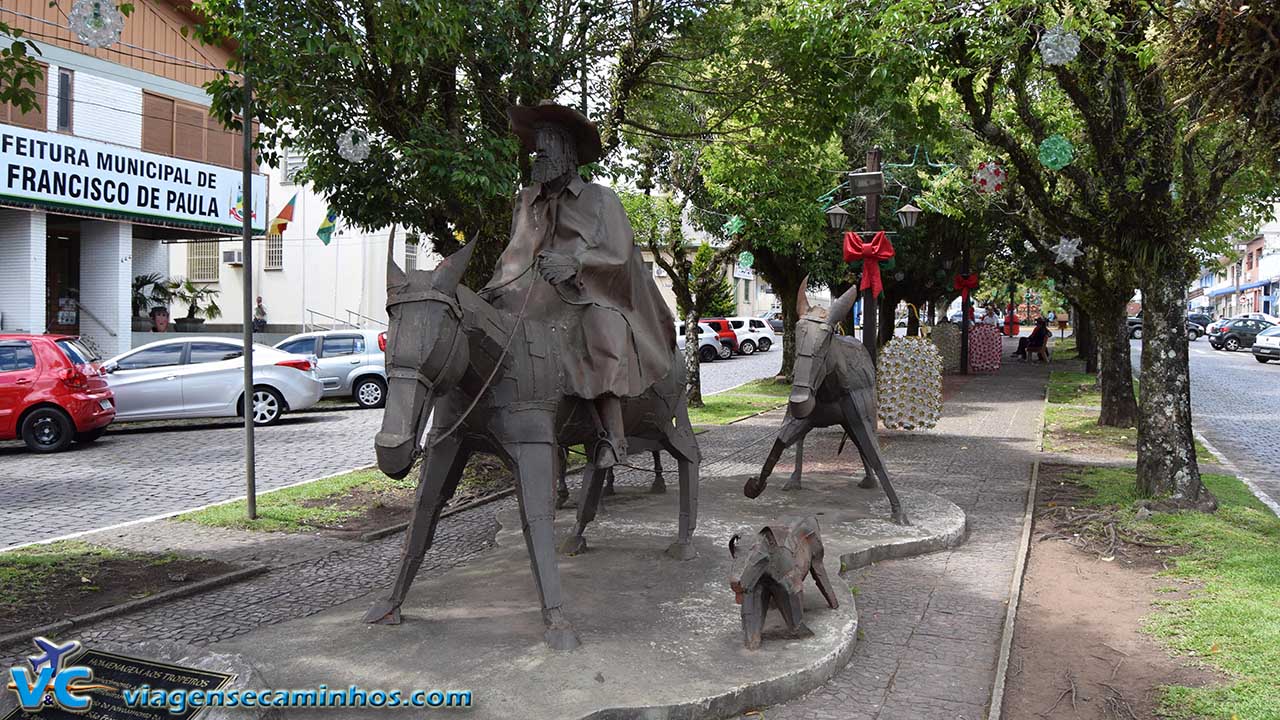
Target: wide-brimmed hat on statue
<point>525,119</point>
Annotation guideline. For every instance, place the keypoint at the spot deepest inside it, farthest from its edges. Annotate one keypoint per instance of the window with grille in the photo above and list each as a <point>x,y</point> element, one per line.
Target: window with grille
<point>202,261</point>
<point>411,252</point>
<point>293,162</point>
<point>275,253</point>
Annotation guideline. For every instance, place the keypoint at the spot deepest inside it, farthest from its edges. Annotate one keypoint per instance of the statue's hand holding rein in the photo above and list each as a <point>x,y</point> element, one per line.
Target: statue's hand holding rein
<point>556,267</point>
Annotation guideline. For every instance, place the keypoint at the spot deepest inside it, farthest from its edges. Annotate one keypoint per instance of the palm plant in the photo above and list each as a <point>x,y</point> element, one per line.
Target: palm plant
<point>200,300</point>
<point>150,290</point>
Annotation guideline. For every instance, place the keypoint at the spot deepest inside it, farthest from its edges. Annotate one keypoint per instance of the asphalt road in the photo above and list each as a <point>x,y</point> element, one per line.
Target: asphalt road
<point>141,470</point>
<point>1235,402</point>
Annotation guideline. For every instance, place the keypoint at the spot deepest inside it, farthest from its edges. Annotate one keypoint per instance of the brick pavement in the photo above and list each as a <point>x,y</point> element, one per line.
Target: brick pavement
<point>930,626</point>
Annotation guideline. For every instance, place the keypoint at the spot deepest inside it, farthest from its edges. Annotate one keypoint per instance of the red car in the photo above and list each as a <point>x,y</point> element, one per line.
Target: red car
<point>51,392</point>
<point>724,331</point>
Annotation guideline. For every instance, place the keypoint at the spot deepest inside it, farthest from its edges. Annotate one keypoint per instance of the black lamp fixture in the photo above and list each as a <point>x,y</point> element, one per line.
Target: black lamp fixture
<point>907,215</point>
<point>837,218</point>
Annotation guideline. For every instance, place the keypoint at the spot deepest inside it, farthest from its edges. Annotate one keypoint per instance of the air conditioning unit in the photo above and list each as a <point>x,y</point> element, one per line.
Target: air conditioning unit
<point>233,257</point>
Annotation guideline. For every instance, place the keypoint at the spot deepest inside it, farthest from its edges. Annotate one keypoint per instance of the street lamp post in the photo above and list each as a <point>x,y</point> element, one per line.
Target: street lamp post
<point>246,245</point>
<point>965,304</point>
<point>868,295</point>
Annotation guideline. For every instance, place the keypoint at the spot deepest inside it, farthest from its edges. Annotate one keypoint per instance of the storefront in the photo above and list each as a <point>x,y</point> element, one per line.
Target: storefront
<point>79,219</point>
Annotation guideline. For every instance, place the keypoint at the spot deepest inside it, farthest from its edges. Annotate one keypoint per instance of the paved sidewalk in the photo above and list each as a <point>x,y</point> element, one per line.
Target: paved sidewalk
<point>930,626</point>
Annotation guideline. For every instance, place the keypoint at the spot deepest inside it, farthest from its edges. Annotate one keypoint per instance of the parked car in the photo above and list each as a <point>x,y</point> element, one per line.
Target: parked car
<point>1201,319</point>
<point>774,318</point>
<point>1194,330</point>
<point>349,362</point>
<point>203,376</point>
<point>753,334</point>
<point>51,392</point>
<point>728,338</point>
<point>1267,345</point>
<point>1238,334</point>
<point>978,315</point>
<point>1260,316</point>
<point>709,346</point>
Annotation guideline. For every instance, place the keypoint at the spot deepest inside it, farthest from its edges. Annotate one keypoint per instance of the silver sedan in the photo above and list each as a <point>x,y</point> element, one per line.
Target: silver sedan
<point>204,377</point>
<point>349,362</point>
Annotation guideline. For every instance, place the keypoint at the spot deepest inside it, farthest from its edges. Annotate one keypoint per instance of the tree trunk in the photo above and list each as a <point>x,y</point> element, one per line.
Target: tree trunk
<point>692,361</point>
<point>1166,448</point>
<point>787,298</point>
<point>913,320</point>
<point>1086,342</point>
<point>888,321</point>
<point>1115,374</point>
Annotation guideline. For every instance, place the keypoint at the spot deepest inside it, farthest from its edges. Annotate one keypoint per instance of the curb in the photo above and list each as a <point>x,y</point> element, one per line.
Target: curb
<point>400,527</point>
<point>1257,491</point>
<point>1015,596</point>
<point>78,621</point>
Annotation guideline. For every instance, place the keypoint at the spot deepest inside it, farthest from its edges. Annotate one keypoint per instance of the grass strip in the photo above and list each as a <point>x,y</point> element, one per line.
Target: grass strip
<point>1230,621</point>
<point>743,401</point>
<point>302,507</point>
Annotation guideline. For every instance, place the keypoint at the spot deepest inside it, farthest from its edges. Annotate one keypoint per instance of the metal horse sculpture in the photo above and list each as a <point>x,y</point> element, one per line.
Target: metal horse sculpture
<point>490,383</point>
<point>835,384</point>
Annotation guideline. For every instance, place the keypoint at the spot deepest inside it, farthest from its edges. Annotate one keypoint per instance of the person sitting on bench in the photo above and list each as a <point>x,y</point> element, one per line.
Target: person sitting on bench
<point>1037,342</point>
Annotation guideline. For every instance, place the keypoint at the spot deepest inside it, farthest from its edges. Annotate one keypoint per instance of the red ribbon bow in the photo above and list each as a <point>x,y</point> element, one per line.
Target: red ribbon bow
<point>965,283</point>
<point>871,253</point>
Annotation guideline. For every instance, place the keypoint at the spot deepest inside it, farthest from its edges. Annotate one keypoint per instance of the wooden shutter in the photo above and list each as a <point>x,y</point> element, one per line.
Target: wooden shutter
<point>157,124</point>
<point>188,131</point>
<point>219,146</point>
<point>36,119</point>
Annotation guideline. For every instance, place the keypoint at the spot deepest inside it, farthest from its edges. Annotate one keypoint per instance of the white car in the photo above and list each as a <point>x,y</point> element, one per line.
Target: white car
<point>709,347</point>
<point>203,376</point>
<point>753,334</point>
<point>351,363</point>
<point>1260,316</point>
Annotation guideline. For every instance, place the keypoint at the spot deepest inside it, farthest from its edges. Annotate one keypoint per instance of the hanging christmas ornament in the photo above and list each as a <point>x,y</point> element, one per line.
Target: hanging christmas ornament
<point>353,145</point>
<point>899,276</point>
<point>1056,152</point>
<point>96,22</point>
<point>1059,46</point>
<point>989,177</point>
<point>732,226</point>
<point>1068,249</point>
<point>910,384</point>
<point>746,259</point>
<point>946,336</point>
<point>984,348</point>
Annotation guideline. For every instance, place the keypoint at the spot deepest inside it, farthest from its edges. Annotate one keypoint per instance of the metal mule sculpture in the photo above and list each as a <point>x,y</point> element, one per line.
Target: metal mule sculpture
<point>771,572</point>
<point>835,384</point>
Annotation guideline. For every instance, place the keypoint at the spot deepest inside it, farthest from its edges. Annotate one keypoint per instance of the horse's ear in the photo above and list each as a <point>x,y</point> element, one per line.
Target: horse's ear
<point>395,276</point>
<point>802,298</point>
<point>449,272</point>
<point>842,306</point>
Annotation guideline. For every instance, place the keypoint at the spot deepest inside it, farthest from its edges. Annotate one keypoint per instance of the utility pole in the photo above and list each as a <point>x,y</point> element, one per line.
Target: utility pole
<point>965,305</point>
<point>868,297</point>
<point>246,245</point>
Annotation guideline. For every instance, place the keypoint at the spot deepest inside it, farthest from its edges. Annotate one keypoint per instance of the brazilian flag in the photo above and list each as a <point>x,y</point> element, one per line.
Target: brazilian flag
<point>325,233</point>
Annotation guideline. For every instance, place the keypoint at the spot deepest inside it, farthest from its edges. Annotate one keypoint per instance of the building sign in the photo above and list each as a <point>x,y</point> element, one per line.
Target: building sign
<point>68,173</point>
<point>743,273</point>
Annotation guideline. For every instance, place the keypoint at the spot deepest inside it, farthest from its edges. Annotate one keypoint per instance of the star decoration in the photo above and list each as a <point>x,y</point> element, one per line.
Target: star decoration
<point>732,226</point>
<point>1068,249</point>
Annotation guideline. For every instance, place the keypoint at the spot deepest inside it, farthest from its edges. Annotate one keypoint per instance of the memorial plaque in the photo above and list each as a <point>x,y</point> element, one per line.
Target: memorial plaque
<point>129,673</point>
<point>866,183</point>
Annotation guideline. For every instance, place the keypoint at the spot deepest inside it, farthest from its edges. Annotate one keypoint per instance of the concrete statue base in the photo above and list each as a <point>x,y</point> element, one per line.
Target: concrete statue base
<point>661,638</point>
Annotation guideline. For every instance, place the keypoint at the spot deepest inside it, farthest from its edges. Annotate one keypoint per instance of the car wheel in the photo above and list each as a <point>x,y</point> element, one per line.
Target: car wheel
<point>1193,335</point>
<point>89,436</point>
<point>1136,333</point>
<point>1261,359</point>
<point>267,407</point>
<point>747,347</point>
<point>47,430</point>
<point>1231,344</point>
<point>765,344</point>
<point>725,352</point>
<point>706,354</point>
<point>370,392</point>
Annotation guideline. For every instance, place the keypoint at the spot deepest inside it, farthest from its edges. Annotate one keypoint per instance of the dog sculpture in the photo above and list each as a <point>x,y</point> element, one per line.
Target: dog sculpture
<point>835,384</point>
<point>771,572</point>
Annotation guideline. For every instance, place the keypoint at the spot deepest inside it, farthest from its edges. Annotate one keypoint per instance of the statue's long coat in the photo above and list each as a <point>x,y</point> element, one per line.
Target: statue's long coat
<point>611,328</point>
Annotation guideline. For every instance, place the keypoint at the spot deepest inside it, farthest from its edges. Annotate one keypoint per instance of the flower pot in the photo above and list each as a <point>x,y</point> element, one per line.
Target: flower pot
<point>189,324</point>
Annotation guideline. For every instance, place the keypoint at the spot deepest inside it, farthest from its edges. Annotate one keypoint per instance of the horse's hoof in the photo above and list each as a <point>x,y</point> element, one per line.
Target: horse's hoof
<point>383,613</point>
<point>575,545</point>
<point>559,634</point>
<point>900,517</point>
<point>658,487</point>
<point>792,484</point>
<point>754,487</point>
<point>682,551</point>
<point>868,482</point>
